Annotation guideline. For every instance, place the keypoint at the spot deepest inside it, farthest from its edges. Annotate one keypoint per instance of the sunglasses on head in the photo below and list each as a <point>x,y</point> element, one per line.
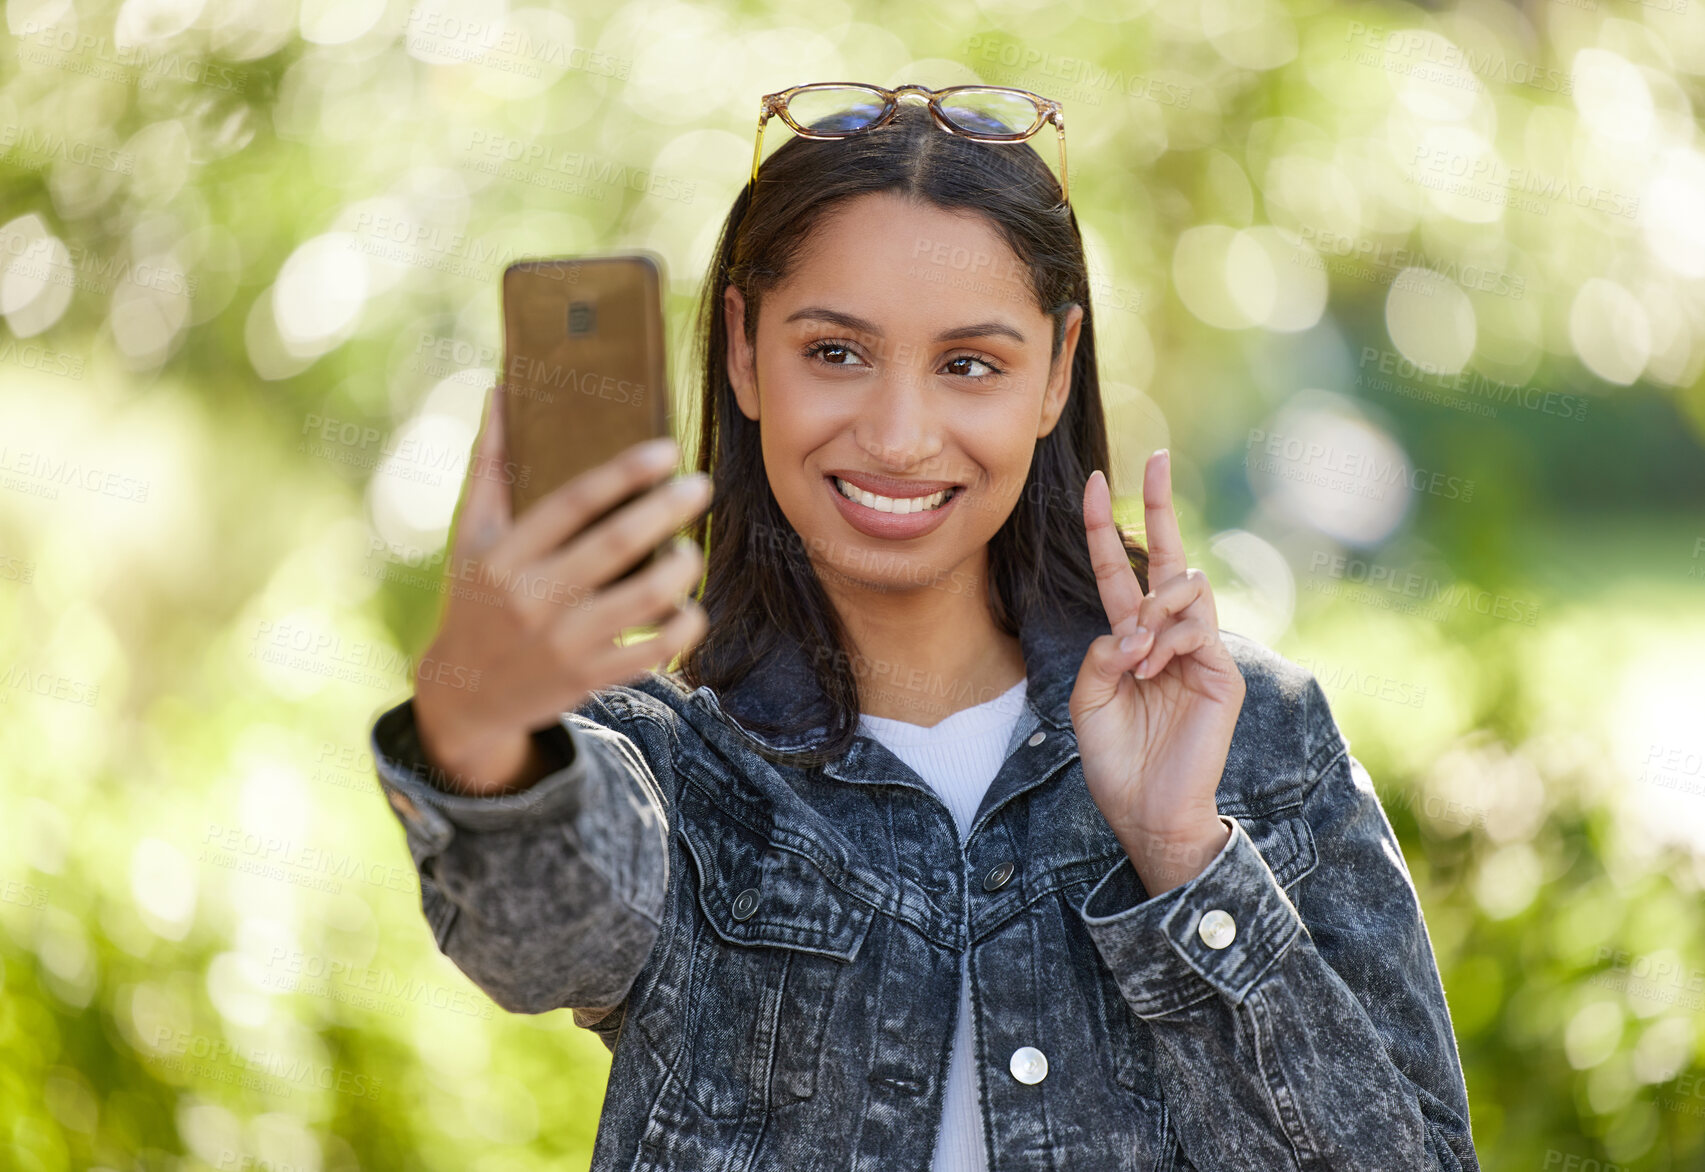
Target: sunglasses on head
<point>840,109</point>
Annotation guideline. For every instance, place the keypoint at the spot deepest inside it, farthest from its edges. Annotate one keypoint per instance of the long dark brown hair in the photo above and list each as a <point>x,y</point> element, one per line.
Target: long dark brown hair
<point>760,587</point>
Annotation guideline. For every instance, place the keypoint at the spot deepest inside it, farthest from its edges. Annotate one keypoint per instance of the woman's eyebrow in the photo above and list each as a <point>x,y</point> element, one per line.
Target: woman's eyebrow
<point>982,329</point>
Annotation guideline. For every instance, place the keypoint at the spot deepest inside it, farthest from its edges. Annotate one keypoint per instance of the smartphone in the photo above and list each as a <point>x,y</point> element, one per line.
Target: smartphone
<point>583,369</point>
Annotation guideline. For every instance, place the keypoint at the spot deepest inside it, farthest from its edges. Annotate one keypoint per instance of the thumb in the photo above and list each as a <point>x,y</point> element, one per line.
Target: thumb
<point>485,514</point>
<point>1104,671</point>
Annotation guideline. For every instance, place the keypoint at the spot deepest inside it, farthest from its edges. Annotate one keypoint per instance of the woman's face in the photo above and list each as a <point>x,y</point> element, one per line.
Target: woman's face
<point>903,362</point>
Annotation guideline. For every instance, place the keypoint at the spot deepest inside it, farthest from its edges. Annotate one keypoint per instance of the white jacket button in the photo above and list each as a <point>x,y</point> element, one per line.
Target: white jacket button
<point>1217,929</point>
<point>1036,738</point>
<point>1029,1065</point>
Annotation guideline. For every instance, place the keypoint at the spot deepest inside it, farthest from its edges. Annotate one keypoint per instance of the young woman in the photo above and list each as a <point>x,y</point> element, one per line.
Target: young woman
<point>961,836</point>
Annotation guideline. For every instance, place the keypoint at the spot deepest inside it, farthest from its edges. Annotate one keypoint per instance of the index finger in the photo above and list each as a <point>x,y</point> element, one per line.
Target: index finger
<point>1121,593</point>
<point>1160,523</point>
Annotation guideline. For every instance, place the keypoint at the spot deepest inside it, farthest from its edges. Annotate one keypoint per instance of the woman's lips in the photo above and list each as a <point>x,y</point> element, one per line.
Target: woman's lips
<point>890,526</point>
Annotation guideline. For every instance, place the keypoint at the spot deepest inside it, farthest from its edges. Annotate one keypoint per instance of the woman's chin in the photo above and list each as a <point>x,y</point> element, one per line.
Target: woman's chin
<point>885,572</point>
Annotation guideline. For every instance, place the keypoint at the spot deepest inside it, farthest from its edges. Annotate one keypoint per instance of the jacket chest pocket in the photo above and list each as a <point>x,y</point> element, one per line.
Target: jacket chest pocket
<point>769,963</point>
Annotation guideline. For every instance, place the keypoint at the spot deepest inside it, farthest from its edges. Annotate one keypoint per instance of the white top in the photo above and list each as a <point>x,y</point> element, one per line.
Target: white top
<point>958,758</point>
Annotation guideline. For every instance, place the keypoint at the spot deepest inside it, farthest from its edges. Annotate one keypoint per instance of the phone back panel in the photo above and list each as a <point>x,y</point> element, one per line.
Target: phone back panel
<point>583,368</point>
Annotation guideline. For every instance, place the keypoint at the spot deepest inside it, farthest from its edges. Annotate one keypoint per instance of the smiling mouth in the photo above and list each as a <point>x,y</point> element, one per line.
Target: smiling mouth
<point>902,505</point>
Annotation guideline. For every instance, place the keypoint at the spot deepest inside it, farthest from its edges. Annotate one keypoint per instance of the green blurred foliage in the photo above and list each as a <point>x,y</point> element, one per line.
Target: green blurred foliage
<point>248,270</point>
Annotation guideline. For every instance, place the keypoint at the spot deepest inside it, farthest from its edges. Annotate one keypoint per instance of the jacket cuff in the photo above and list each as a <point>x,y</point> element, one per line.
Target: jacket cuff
<point>423,797</point>
<point>1220,932</point>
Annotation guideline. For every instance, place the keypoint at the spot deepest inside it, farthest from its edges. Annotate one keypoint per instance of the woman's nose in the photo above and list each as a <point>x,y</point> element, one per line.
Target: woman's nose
<point>899,424</point>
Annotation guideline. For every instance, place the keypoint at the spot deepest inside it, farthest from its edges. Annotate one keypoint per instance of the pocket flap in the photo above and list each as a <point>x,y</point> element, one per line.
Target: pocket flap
<point>792,903</point>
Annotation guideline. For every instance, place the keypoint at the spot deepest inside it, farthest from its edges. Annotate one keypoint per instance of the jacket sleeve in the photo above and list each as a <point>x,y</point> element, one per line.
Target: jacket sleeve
<point>550,897</point>
<point>1313,1034</point>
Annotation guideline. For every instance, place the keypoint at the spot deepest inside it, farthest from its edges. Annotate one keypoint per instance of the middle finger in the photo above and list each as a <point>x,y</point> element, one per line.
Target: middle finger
<point>594,558</point>
<point>1160,521</point>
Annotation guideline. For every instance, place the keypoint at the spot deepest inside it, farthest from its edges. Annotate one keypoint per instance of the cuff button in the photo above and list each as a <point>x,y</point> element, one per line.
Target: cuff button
<point>1217,929</point>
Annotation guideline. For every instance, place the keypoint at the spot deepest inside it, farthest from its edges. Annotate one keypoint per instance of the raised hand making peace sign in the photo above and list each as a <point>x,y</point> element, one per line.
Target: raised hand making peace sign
<point>1157,699</point>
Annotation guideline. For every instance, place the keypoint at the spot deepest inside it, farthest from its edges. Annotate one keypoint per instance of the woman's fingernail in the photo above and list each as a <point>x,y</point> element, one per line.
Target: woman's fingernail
<point>1142,668</point>
<point>1129,643</point>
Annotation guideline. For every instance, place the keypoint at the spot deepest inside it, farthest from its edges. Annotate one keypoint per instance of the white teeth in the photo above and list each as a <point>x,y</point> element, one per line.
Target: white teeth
<point>888,504</point>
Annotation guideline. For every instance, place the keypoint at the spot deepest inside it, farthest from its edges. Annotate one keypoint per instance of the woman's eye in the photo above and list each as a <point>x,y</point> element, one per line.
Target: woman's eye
<point>989,368</point>
<point>832,353</point>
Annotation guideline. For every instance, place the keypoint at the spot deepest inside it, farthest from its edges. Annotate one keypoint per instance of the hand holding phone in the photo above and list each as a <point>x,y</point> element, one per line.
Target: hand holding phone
<point>541,601</point>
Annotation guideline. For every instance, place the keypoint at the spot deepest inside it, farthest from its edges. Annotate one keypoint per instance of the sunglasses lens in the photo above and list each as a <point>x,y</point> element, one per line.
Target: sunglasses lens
<point>836,109</point>
<point>990,111</point>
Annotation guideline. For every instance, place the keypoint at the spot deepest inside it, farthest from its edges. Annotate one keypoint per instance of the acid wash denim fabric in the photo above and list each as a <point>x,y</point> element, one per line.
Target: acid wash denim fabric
<point>772,954</point>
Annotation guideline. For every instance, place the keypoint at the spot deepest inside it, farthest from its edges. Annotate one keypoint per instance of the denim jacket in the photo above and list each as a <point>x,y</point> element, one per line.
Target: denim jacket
<point>772,954</point>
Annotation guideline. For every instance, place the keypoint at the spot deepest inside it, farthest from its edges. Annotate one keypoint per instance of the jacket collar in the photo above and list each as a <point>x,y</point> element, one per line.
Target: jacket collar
<point>784,687</point>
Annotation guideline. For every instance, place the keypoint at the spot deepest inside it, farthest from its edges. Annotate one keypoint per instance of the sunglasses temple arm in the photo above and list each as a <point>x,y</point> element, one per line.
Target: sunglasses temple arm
<point>1065,196</point>
<point>758,143</point>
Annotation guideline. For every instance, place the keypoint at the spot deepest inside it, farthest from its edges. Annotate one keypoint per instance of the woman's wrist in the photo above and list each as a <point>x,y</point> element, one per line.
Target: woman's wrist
<point>497,765</point>
<point>1167,859</point>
